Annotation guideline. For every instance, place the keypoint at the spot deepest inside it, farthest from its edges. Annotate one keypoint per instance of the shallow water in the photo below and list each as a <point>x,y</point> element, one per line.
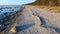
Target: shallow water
<point>8,12</point>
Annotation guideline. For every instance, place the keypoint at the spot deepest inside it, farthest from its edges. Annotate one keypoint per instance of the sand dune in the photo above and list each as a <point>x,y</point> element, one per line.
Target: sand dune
<point>34,20</point>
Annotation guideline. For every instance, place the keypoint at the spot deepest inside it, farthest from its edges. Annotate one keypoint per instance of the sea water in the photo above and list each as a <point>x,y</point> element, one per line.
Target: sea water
<point>8,9</point>
<point>6,13</point>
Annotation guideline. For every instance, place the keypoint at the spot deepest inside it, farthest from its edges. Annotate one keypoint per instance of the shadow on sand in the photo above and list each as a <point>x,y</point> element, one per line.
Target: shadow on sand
<point>23,27</point>
<point>43,21</point>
